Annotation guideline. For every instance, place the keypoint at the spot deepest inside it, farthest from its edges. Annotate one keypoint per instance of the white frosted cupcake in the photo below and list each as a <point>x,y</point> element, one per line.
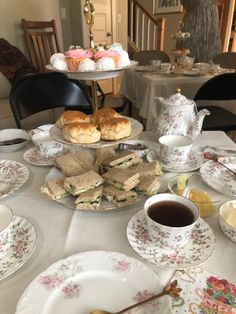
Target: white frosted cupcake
<point>87,65</point>
<point>116,47</point>
<point>105,63</point>
<point>58,61</point>
<point>124,59</point>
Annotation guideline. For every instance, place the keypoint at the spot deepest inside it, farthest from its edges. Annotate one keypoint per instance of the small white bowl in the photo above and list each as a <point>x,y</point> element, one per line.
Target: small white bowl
<point>227,210</point>
<point>11,134</point>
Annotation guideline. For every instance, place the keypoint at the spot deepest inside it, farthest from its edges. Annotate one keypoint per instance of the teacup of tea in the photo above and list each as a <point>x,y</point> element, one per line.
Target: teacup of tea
<point>46,146</point>
<point>175,149</point>
<point>170,220</point>
<point>6,218</point>
<point>155,63</point>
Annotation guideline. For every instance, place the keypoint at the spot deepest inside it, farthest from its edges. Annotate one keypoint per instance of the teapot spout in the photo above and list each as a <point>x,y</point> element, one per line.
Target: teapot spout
<point>196,128</point>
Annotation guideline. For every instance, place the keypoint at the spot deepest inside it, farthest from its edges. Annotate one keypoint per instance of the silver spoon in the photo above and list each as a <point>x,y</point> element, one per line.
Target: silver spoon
<point>171,289</point>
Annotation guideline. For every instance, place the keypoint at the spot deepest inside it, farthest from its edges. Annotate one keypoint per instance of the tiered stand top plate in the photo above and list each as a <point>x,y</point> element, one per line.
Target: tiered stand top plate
<point>93,75</point>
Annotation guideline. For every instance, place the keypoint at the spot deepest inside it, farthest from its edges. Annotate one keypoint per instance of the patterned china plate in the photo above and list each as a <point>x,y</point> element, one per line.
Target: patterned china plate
<point>34,158</point>
<point>93,280</point>
<point>218,177</point>
<point>195,161</point>
<point>198,249</point>
<point>22,247</point>
<point>13,175</point>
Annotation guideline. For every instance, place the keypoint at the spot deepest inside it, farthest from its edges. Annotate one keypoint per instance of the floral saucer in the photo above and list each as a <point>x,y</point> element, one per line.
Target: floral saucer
<point>24,240</point>
<point>194,162</point>
<point>34,158</point>
<point>198,249</point>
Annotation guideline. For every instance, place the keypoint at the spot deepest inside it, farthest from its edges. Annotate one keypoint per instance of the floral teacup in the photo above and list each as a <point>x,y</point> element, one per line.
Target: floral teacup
<point>46,146</point>
<point>175,149</point>
<point>6,217</point>
<point>170,220</point>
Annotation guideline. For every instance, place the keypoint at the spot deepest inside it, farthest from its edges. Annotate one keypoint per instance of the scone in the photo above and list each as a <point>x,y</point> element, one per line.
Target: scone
<point>115,129</point>
<point>105,114</point>
<point>71,116</point>
<point>81,133</point>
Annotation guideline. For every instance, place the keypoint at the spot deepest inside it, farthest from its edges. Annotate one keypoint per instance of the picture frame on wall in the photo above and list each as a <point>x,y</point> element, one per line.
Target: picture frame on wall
<point>167,6</point>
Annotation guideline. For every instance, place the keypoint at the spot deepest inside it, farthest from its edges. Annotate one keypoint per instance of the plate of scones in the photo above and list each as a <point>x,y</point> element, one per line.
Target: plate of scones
<point>106,129</point>
<point>122,178</point>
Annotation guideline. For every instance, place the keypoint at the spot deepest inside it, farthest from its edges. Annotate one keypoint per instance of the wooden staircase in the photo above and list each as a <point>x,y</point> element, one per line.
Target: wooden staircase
<point>145,32</point>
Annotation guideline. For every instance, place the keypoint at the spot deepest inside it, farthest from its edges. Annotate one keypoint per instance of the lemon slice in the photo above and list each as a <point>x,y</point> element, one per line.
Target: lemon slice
<point>181,184</point>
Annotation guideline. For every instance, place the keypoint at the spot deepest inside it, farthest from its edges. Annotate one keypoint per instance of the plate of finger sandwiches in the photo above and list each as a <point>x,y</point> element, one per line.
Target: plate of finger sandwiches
<point>122,178</point>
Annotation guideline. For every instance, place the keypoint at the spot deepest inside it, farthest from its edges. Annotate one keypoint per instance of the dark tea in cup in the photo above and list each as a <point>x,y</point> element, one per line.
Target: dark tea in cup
<point>164,213</point>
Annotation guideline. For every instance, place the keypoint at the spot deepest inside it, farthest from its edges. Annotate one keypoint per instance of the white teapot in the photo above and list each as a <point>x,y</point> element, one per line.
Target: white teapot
<point>177,115</point>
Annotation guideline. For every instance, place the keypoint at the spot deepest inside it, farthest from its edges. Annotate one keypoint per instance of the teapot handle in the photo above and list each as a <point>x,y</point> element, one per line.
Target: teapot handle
<point>195,108</point>
<point>154,107</point>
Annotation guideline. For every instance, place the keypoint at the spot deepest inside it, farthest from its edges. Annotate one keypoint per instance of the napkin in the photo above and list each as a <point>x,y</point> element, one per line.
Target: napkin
<point>204,293</point>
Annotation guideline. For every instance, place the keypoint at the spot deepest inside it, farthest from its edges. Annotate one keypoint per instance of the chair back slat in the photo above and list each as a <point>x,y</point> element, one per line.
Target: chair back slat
<point>41,41</point>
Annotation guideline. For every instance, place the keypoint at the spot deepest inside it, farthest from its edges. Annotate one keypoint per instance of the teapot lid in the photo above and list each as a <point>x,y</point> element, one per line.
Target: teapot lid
<point>177,99</point>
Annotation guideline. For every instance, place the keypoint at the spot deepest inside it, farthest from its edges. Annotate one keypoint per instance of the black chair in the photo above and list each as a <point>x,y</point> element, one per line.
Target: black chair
<point>145,56</point>
<point>226,60</point>
<point>219,88</point>
<point>38,92</point>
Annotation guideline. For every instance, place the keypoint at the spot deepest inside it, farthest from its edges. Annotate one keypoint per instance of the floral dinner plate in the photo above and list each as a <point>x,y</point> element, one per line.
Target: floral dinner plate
<point>218,177</point>
<point>22,247</point>
<point>13,175</point>
<point>198,249</point>
<point>93,280</point>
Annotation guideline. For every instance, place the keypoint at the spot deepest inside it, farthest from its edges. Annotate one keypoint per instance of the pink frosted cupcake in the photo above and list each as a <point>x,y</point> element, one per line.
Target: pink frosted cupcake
<point>75,55</point>
<point>108,53</point>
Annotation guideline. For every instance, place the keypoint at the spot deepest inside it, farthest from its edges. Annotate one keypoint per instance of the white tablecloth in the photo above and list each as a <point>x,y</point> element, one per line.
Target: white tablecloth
<point>63,231</point>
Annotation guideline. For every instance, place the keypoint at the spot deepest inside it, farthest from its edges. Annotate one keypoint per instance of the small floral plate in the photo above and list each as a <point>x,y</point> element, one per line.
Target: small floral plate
<point>194,162</point>
<point>22,246</point>
<point>13,175</point>
<point>198,249</point>
<point>93,280</point>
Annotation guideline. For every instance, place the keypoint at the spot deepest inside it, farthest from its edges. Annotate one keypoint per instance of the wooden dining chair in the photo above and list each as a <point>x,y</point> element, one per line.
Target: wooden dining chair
<point>41,41</point>
<point>219,88</point>
<point>145,56</point>
<point>43,91</point>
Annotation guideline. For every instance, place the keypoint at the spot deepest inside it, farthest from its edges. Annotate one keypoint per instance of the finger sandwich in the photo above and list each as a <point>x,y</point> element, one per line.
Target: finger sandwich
<point>147,169</point>
<point>90,199</point>
<point>54,189</point>
<point>123,179</point>
<point>82,183</point>
<point>119,197</point>
<point>122,160</point>
<point>148,185</point>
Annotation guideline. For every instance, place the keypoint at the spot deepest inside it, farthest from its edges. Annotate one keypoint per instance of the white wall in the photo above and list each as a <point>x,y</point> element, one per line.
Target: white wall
<point>12,11</point>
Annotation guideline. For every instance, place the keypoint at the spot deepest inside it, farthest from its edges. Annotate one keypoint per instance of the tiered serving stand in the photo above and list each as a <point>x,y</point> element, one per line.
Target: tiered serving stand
<point>93,76</point>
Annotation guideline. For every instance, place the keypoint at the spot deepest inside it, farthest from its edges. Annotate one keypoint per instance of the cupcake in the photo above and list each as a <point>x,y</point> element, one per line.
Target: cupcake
<point>107,54</point>
<point>105,63</point>
<point>58,61</point>
<point>87,65</point>
<point>75,55</point>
